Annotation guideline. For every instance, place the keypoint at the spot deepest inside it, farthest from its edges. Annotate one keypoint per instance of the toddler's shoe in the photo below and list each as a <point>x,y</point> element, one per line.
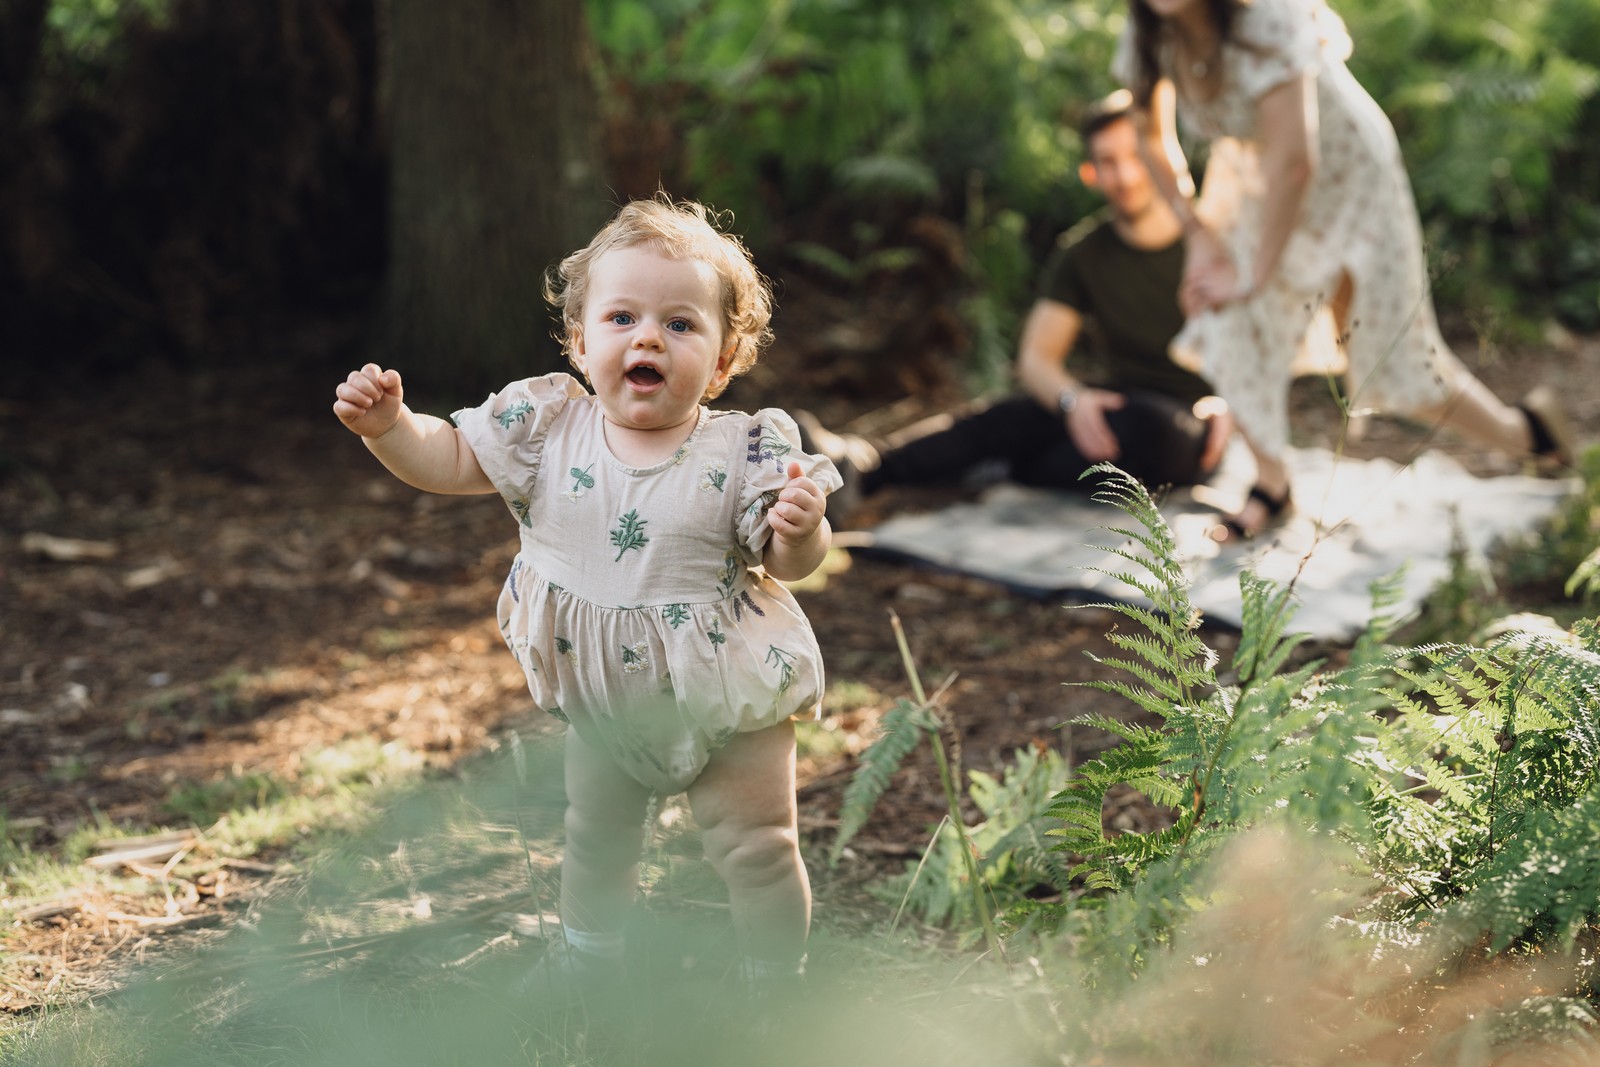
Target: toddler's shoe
<point>564,976</point>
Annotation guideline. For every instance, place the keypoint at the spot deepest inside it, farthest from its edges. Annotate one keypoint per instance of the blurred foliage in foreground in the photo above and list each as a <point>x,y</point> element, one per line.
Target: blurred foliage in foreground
<point>404,946</point>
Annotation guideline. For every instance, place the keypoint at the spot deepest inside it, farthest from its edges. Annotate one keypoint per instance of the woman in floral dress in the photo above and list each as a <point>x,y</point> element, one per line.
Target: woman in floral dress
<point>1305,251</point>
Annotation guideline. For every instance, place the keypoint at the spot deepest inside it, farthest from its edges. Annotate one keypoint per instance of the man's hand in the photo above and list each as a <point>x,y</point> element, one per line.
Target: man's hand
<point>369,400</point>
<point>796,514</point>
<point>1087,426</point>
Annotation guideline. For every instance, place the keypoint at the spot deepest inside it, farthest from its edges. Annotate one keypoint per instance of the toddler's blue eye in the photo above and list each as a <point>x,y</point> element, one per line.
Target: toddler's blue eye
<point>679,325</point>
<point>621,318</point>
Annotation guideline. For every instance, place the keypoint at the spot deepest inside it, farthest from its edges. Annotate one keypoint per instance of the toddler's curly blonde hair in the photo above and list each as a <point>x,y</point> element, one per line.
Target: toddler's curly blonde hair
<point>681,229</point>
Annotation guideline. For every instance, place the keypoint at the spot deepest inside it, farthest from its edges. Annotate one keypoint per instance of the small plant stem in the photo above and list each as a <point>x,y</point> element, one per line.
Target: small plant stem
<point>979,902</point>
<point>917,874</point>
<point>952,800</point>
<point>905,659</point>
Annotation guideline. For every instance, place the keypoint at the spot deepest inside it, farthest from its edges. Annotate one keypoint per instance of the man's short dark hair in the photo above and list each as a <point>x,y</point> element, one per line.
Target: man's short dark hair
<point>1103,112</point>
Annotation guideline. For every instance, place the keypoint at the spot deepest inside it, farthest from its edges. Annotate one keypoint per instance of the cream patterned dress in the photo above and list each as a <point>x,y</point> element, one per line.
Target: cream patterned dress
<point>632,605</point>
<point>1358,216</point>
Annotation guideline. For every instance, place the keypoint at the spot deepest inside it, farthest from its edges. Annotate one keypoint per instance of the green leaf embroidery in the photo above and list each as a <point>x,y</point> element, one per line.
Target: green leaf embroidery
<point>715,633</point>
<point>784,660</point>
<point>514,413</point>
<point>582,480</point>
<point>728,574</point>
<point>558,713</point>
<point>764,502</point>
<point>521,509</point>
<point>564,648</point>
<point>630,534</point>
<point>676,614</point>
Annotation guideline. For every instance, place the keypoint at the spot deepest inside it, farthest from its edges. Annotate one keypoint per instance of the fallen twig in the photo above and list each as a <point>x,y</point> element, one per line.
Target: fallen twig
<point>49,910</point>
<point>166,922</point>
<point>67,549</point>
<point>162,851</point>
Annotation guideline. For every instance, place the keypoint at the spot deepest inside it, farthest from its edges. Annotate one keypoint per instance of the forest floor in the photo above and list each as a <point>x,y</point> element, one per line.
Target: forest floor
<point>264,590</point>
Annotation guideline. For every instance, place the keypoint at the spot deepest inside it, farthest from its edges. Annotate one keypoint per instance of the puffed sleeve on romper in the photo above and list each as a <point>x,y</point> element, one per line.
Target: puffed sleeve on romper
<point>772,443</point>
<point>507,432</point>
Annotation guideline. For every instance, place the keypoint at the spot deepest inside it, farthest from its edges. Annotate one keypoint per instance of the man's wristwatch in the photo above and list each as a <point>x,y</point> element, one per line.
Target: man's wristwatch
<point>1067,401</point>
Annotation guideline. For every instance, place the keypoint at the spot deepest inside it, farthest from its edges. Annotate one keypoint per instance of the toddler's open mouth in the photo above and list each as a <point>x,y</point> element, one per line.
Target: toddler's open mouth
<point>644,374</point>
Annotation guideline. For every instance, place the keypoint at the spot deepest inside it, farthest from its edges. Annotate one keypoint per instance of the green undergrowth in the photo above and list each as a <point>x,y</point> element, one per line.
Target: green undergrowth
<point>1380,857</point>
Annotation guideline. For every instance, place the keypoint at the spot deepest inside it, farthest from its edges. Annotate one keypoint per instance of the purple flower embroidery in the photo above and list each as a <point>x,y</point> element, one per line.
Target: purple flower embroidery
<point>743,601</point>
<point>767,445</point>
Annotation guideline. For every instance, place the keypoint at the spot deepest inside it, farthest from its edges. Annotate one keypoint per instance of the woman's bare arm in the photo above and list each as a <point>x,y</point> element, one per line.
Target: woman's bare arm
<point>1286,129</point>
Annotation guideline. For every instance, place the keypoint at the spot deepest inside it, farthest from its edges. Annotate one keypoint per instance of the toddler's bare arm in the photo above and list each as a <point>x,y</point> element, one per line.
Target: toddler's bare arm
<point>420,450</point>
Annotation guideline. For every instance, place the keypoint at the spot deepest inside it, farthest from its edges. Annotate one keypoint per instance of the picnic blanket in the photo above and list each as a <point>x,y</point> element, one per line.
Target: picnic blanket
<point>1354,521</point>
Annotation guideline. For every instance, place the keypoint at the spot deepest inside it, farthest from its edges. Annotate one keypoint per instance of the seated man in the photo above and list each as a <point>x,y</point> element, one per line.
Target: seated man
<point>1114,279</point>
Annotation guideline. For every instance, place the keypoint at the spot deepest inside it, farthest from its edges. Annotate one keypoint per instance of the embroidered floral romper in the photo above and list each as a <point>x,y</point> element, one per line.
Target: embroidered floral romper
<point>632,606</point>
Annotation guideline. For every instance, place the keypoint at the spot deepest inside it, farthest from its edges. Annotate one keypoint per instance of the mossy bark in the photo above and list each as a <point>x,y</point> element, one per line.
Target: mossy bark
<point>495,176</point>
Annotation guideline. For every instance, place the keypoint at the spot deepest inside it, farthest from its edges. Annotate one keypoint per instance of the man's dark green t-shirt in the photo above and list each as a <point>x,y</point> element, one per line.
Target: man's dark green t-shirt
<point>1129,299</point>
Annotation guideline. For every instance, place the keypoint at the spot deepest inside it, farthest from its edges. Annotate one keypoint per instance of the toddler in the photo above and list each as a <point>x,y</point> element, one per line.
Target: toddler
<point>643,605</point>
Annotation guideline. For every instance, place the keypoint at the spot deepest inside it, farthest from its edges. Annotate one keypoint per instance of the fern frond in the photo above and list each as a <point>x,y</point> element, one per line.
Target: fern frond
<point>1080,806</point>
<point>1128,731</point>
<point>1149,590</point>
<point>1160,625</point>
<point>891,176</point>
<point>1152,677</point>
<point>1154,543</point>
<point>1388,595</point>
<point>1119,860</point>
<point>900,728</point>
<point>1586,635</point>
<point>1154,703</point>
<point>1544,884</point>
<point>1263,649</point>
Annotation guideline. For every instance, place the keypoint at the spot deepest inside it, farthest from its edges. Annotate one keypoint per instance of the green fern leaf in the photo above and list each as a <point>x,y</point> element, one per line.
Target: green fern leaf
<point>900,728</point>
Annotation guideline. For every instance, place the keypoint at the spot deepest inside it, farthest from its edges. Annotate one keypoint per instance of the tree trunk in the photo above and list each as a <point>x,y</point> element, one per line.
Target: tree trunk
<point>21,25</point>
<point>494,177</point>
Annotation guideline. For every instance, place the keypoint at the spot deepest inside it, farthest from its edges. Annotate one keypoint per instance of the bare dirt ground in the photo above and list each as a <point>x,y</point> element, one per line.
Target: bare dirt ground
<point>264,589</point>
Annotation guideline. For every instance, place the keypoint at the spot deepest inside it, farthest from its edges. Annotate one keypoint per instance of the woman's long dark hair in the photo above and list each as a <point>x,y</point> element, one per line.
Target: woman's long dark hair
<point>1147,35</point>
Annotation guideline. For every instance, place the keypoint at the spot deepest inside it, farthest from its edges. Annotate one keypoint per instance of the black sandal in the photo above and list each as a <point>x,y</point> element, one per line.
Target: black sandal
<point>1548,429</point>
<point>1277,509</point>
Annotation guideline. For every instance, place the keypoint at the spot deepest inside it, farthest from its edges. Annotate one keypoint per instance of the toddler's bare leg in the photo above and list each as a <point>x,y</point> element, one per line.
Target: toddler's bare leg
<point>744,802</point>
<point>605,835</point>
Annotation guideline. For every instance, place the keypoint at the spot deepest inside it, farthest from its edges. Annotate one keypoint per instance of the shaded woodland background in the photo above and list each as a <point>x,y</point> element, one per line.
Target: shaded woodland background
<point>180,177</point>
